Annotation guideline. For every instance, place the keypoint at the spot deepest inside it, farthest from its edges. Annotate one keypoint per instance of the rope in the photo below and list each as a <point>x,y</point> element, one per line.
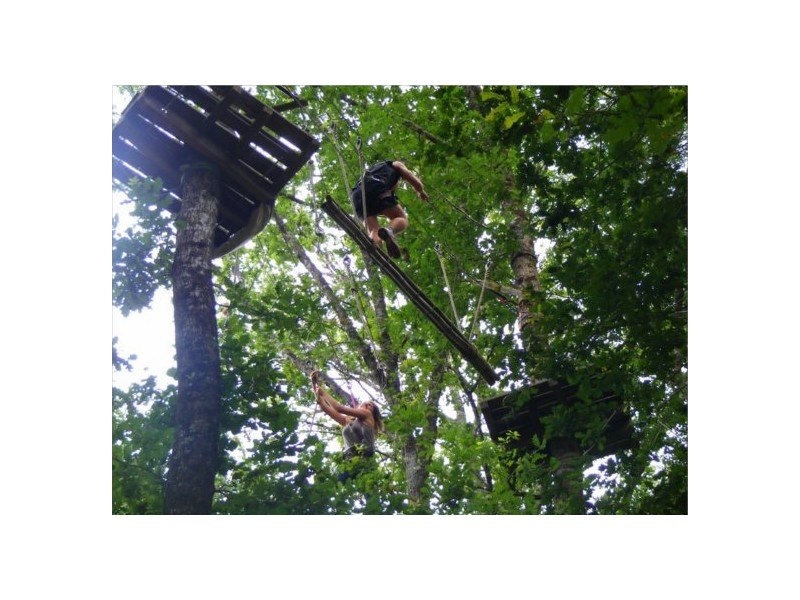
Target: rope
<point>363,184</point>
<point>463,212</point>
<point>331,134</point>
<point>480,299</point>
<point>316,404</point>
<point>460,267</point>
<point>447,283</point>
<point>311,185</point>
<point>608,420</point>
<point>342,368</point>
<point>476,252</point>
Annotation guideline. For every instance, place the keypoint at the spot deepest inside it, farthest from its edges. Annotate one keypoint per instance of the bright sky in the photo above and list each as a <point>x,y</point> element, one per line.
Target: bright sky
<point>149,334</point>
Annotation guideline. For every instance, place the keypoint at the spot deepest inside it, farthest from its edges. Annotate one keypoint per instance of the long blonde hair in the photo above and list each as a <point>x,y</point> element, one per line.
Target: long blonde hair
<point>376,415</point>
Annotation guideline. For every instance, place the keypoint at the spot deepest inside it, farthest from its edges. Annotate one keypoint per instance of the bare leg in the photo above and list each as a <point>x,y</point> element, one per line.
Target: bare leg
<point>397,223</point>
<point>398,220</point>
<point>372,226</point>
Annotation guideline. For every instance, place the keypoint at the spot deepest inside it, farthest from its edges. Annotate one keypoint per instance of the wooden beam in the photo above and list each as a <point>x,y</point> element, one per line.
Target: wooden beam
<point>212,153</point>
<point>280,126</point>
<point>157,155</point>
<point>225,113</point>
<point>221,137</point>
<point>411,291</point>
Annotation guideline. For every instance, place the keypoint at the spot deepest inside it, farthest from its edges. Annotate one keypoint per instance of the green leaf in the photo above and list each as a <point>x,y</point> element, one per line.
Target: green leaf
<point>546,115</point>
<point>510,120</point>
<point>487,95</point>
<point>546,132</point>
<point>496,111</point>
<point>575,103</point>
<point>623,129</point>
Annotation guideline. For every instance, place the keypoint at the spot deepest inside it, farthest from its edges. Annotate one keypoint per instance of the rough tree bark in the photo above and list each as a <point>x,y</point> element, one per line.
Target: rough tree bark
<point>193,462</point>
<point>526,272</point>
<point>418,448</point>
<point>568,477</point>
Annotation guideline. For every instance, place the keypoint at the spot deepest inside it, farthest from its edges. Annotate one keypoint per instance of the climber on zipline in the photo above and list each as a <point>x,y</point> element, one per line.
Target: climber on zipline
<point>360,425</point>
<point>380,182</point>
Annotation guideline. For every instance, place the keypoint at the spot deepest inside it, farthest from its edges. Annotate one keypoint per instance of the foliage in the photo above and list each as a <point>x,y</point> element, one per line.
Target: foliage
<point>142,254</point>
<point>142,436</point>
<point>599,174</point>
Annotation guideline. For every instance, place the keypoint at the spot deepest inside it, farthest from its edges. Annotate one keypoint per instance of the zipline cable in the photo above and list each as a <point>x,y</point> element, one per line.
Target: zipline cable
<point>454,205</point>
<point>446,221</point>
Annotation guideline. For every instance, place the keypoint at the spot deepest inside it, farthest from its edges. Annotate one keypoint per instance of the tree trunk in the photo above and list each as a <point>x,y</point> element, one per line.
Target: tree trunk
<point>193,462</point>
<point>569,497</point>
<point>344,319</point>
<point>526,273</point>
<point>418,448</point>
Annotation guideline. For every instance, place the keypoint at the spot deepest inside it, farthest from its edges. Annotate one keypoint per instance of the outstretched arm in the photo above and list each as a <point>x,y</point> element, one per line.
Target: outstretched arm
<point>362,413</point>
<point>326,401</point>
<point>415,181</point>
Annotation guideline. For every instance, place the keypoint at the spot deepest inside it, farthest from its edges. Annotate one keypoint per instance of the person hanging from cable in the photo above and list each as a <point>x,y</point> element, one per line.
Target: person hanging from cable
<point>360,424</point>
<point>380,182</point>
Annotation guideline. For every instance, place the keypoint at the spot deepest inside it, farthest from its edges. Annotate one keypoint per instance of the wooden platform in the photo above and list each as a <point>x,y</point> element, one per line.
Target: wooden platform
<point>522,410</point>
<point>356,231</point>
<point>255,148</point>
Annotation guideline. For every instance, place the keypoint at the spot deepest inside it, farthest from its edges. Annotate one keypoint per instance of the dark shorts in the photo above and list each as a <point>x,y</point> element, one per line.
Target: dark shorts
<point>375,206</point>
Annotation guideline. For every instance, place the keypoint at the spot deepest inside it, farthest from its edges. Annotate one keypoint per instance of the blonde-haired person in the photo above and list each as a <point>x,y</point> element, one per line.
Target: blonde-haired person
<point>360,425</point>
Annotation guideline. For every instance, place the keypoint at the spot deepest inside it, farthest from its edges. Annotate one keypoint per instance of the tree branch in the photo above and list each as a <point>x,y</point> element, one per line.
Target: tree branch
<point>342,316</point>
<point>391,358</point>
<point>424,132</point>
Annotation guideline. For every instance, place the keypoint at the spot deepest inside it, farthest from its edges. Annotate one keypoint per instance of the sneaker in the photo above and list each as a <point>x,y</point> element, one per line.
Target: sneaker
<point>387,235</point>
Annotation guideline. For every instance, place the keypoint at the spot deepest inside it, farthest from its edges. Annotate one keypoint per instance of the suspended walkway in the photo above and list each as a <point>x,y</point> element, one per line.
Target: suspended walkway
<point>355,230</point>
